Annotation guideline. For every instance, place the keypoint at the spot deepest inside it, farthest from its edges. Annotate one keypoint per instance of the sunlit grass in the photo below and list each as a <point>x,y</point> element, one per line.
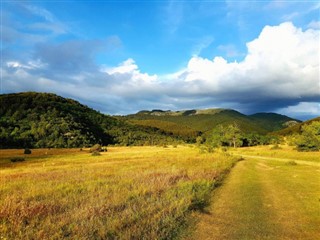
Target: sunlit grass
<point>265,199</point>
<point>284,151</point>
<point>126,193</point>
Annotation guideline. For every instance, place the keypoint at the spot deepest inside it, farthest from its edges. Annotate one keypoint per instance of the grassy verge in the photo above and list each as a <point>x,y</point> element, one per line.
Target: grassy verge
<point>126,193</point>
<point>284,152</point>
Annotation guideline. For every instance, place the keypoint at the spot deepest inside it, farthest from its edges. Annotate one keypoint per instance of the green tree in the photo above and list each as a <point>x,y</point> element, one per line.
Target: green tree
<point>309,139</point>
<point>233,135</point>
<point>216,138</point>
<point>224,136</point>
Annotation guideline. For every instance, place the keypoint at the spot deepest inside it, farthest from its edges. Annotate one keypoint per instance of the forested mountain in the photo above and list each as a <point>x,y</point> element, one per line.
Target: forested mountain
<point>273,121</point>
<point>46,120</point>
<point>33,119</point>
<point>205,120</point>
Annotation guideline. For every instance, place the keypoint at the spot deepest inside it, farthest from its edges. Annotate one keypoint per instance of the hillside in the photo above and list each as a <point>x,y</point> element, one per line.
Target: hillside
<point>184,132</point>
<point>273,121</point>
<point>47,120</point>
<point>295,129</point>
<point>205,120</point>
<point>37,120</point>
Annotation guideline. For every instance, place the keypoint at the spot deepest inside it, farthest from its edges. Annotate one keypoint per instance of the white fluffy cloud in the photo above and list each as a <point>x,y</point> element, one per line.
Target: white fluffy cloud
<point>283,62</point>
<point>130,71</point>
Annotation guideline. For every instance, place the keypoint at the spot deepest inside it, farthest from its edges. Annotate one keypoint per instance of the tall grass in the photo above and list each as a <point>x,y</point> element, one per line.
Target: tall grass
<point>126,193</point>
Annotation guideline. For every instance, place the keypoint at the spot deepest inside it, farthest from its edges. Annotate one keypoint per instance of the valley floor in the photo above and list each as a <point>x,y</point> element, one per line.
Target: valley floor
<point>264,198</point>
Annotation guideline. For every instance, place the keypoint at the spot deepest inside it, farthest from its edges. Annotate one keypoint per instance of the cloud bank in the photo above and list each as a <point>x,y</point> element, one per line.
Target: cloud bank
<point>279,72</point>
<point>281,68</point>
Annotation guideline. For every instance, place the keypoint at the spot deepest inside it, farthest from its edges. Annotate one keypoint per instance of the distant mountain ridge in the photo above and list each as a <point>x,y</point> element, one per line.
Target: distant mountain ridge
<point>204,120</point>
<point>157,112</point>
<point>32,119</point>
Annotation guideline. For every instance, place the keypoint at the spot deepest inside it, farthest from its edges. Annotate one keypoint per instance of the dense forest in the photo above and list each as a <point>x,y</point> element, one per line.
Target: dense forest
<point>38,120</point>
<point>46,120</point>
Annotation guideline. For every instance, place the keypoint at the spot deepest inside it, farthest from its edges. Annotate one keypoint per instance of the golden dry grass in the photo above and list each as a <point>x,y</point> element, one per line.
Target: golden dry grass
<point>126,193</point>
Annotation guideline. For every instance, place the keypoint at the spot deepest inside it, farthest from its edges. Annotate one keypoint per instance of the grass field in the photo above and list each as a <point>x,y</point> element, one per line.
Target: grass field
<point>266,199</point>
<point>126,193</point>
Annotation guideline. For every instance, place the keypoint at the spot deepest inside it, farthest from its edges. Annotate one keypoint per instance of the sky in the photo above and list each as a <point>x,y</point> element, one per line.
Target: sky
<point>120,57</point>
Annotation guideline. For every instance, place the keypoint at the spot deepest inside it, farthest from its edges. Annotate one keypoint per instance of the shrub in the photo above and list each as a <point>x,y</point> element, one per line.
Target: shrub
<point>275,147</point>
<point>200,195</point>
<point>17,159</point>
<point>202,149</point>
<point>224,149</point>
<point>95,148</point>
<point>292,163</point>
<point>96,153</point>
<point>27,151</point>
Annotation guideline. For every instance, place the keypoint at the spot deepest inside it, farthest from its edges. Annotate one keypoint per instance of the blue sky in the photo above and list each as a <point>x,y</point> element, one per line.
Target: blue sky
<point>120,57</point>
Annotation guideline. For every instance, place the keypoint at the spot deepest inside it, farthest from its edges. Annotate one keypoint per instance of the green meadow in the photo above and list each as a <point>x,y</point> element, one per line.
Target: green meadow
<point>125,193</point>
<point>271,194</point>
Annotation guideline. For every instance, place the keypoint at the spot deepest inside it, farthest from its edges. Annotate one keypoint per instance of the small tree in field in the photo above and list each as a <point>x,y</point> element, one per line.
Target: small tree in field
<point>232,135</point>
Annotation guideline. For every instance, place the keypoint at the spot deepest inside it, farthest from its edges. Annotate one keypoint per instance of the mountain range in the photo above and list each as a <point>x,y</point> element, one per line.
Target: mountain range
<point>204,120</point>
<point>32,119</point>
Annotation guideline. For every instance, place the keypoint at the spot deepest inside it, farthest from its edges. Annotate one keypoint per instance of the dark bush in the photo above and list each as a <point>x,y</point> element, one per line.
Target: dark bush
<point>291,163</point>
<point>27,151</point>
<point>17,159</point>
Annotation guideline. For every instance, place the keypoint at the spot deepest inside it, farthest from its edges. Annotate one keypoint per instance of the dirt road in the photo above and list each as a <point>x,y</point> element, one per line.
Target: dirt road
<point>264,199</point>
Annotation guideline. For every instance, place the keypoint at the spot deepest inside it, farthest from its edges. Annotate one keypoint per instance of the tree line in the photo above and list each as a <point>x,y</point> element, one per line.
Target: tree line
<point>232,136</point>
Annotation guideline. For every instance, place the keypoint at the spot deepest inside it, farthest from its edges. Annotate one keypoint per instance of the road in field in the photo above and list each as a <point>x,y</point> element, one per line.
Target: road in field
<point>264,199</point>
<point>281,159</point>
